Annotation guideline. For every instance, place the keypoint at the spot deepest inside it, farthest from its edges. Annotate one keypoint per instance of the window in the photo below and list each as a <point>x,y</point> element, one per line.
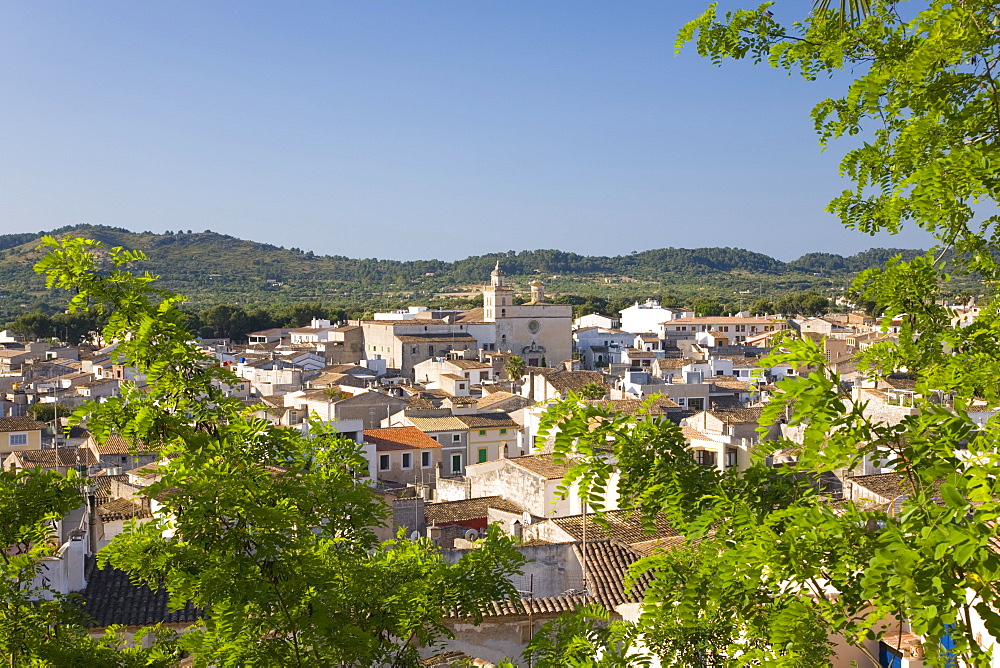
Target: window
<point>425,460</point>
<point>503,431</point>
<point>461,386</point>
<point>455,438</point>
<point>730,458</point>
<point>456,464</point>
<point>407,460</point>
<point>482,455</point>
<point>482,432</point>
<point>705,457</point>
<point>18,439</point>
<point>383,462</point>
<point>430,350</point>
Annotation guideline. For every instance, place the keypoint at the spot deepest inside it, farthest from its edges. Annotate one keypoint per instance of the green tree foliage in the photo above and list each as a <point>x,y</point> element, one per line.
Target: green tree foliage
<point>69,328</point>
<point>515,368</point>
<point>266,530</point>
<point>773,568</point>
<point>212,269</point>
<point>39,626</point>
<point>593,391</point>
<point>47,412</point>
<point>585,639</point>
<point>805,303</point>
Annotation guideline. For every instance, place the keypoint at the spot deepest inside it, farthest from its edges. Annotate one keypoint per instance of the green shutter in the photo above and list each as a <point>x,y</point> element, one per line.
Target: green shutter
<point>482,455</point>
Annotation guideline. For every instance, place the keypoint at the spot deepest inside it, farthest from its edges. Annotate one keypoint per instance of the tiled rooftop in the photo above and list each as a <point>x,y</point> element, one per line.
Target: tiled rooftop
<point>399,438</point>
<point>468,509</point>
<point>607,568</point>
<point>623,526</point>
<point>20,424</point>
<point>111,598</point>
<point>542,465</point>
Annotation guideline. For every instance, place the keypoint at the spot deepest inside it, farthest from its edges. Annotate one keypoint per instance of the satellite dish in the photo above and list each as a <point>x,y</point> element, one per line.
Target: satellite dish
<point>414,535</point>
<point>471,535</point>
<point>526,518</point>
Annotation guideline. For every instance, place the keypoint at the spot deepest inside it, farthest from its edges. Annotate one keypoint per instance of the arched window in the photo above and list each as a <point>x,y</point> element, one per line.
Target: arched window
<point>503,313</point>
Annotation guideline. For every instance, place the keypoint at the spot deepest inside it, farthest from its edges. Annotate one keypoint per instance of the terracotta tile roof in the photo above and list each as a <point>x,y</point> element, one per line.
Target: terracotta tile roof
<point>352,369</point>
<point>468,509</point>
<point>898,383</point>
<point>674,362</point>
<point>116,445</point>
<point>692,434</point>
<point>730,383</point>
<point>487,420</point>
<point>566,381</point>
<point>344,379</point>
<point>470,364</point>
<point>122,509</point>
<point>886,485</point>
<point>444,423</point>
<point>553,606</point>
<point>150,470</point>
<point>542,465</point>
<point>648,547</point>
<point>624,526</point>
<point>56,458</point>
<point>20,424</point>
<point>908,644</point>
<point>607,568</point>
<point>738,415</point>
<point>453,376</point>
<point>399,438</point>
<point>111,598</point>
<point>103,485</point>
<point>420,403</point>
<point>461,401</point>
<point>473,315</point>
<point>500,397</point>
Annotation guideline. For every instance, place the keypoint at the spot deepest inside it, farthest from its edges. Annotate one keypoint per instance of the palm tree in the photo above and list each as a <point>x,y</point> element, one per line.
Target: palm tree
<point>850,11</point>
<point>332,394</point>
<point>515,369</point>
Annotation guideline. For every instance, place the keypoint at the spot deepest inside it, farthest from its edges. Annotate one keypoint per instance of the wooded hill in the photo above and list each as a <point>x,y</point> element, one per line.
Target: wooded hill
<point>213,268</point>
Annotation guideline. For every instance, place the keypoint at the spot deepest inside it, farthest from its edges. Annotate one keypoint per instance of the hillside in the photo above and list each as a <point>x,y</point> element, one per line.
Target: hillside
<point>213,268</point>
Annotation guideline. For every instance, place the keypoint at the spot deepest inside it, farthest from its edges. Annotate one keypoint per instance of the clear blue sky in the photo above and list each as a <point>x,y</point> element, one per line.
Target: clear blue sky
<point>408,129</point>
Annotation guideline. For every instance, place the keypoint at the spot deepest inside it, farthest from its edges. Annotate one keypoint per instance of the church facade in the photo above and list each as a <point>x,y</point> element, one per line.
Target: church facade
<point>539,333</point>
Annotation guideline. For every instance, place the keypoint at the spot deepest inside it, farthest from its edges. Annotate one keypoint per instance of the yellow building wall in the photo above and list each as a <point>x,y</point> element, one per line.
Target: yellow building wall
<point>493,441</point>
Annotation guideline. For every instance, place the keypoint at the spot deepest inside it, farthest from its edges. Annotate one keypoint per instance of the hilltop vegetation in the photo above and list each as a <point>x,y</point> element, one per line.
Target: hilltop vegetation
<point>213,269</point>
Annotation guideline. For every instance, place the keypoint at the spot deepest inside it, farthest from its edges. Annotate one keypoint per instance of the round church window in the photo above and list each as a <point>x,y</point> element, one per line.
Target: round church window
<point>533,326</point>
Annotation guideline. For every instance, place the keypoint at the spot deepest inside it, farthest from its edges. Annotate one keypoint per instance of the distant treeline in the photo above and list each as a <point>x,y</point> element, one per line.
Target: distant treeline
<point>231,256</point>
<point>212,269</point>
